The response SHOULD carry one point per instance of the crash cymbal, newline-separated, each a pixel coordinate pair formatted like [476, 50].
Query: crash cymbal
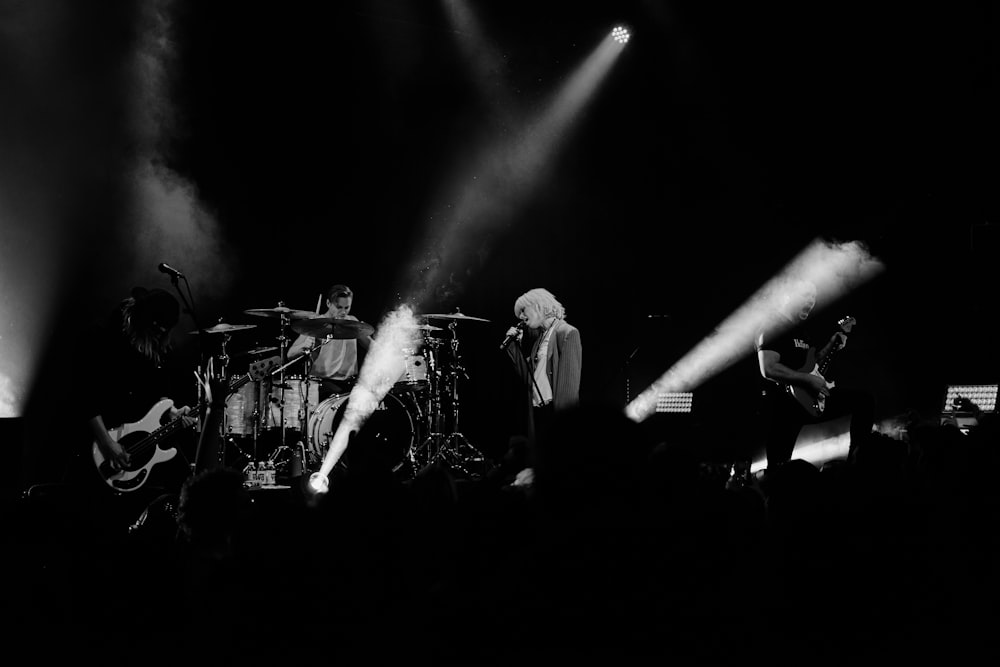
[222, 327]
[320, 327]
[457, 315]
[279, 311]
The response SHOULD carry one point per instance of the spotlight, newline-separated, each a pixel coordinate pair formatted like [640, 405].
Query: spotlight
[319, 483]
[621, 34]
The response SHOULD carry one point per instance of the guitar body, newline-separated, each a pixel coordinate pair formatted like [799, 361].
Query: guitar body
[140, 440]
[813, 404]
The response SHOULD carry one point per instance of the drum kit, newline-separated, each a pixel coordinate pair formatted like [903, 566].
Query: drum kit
[277, 419]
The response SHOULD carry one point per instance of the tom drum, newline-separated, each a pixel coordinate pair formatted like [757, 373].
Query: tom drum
[287, 405]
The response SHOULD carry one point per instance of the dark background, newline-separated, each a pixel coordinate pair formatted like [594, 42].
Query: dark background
[324, 138]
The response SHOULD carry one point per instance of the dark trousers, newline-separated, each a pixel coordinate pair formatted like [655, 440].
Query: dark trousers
[783, 418]
[523, 450]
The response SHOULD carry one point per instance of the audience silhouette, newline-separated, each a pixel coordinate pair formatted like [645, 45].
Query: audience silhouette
[622, 545]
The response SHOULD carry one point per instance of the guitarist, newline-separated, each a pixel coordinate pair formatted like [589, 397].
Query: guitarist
[128, 361]
[788, 353]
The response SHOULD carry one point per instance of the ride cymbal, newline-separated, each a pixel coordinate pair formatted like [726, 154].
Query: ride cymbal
[321, 327]
[281, 311]
[457, 315]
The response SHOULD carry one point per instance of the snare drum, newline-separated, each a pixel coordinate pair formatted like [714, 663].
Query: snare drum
[299, 395]
[387, 434]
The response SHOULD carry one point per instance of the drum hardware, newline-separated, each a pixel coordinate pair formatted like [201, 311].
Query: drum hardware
[243, 409]
[445, 442]
[304, 393]
[284, 315]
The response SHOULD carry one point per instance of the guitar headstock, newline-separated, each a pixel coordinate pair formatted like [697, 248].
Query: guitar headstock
[846, 324]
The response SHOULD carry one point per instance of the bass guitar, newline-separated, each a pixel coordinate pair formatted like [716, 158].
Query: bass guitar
[144, 439]
[815, 404]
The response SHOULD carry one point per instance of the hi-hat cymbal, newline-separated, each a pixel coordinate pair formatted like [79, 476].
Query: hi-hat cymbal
[222, 327]
[279, 311]
[320, 327]
[424, 327]
[457, 315]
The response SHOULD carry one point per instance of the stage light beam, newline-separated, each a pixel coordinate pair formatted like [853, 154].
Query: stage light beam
[504, 175]
[384, 364]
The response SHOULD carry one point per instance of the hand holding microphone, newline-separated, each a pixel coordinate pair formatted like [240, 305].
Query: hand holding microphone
[514, 333]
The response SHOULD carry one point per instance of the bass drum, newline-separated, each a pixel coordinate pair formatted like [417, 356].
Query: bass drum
[384, 440]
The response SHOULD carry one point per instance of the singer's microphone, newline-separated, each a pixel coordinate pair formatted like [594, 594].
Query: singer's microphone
[511, 336]
[169, 270]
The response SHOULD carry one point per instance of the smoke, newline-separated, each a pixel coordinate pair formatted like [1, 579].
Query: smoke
[9, 403]
[384, 365]
[167, 222]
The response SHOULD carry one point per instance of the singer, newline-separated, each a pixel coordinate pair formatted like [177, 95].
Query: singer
[548, 359]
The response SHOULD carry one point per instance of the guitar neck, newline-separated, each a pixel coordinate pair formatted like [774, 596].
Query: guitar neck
[175, 425]
[825, 363]
[845, 326]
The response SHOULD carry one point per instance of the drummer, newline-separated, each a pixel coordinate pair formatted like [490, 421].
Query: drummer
[337, 361]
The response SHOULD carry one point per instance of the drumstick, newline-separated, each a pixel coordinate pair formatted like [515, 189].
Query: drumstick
[319, 302]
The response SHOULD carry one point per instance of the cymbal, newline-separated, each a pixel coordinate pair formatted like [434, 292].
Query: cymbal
[222, 327]
[320, 327]
[257, 350]
[457, 315]
[424, 327]
[279, 311]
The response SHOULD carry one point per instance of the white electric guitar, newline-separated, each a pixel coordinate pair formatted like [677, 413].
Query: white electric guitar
[144, 440]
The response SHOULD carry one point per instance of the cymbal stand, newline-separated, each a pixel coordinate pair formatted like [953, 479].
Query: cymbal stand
[282, 338]
[223, 363]
[452, 448]
[420, 455]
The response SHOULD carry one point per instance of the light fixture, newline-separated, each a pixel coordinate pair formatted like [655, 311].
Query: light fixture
[621, 34]
[982, 396]
[674, 401]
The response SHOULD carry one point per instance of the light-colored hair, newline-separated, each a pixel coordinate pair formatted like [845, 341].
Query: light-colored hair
[543, 300]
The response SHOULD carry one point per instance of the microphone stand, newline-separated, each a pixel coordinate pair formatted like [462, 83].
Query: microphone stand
[202, 336]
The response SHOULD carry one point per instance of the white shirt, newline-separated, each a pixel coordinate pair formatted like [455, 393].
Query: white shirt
[542, 391]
